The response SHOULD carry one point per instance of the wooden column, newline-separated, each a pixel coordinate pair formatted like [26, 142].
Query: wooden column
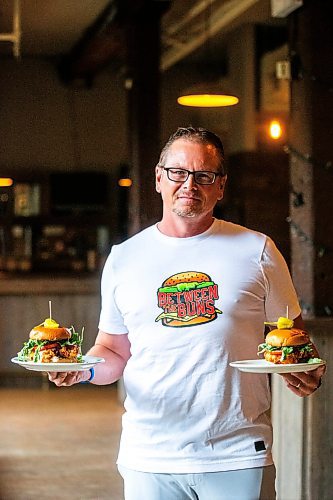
[311, 132]
[303, 427]
[143, 77]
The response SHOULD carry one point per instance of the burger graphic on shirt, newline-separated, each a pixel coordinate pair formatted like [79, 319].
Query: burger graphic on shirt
[187, 299]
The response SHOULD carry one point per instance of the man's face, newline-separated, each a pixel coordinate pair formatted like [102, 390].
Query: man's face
[189, 199]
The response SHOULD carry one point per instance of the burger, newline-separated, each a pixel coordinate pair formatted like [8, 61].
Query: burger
[51, 343]
[187, 299]
[288, 345]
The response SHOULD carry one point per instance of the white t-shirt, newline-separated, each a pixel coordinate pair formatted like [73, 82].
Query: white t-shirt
[187, 410]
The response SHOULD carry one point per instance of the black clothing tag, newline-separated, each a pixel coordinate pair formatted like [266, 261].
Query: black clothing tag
[259, 446]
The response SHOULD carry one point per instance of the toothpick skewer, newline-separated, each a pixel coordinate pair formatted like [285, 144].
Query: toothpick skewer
[50, 309]
[287, 313]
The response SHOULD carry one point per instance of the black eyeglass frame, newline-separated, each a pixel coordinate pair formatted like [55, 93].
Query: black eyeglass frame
[195, 173]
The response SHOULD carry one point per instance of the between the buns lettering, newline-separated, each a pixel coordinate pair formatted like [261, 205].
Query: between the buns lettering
[187, 299]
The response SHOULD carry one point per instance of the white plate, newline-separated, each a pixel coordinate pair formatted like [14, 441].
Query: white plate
[87, 363]
[263, 366]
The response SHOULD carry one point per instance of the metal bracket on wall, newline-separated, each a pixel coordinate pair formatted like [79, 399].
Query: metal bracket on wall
[15, 36]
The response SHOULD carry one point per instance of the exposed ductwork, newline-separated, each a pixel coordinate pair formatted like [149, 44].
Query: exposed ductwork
[202, 21]
[184, 28]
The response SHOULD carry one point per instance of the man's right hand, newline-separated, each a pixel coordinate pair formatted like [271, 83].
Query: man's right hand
[68, 378]
[115, 349]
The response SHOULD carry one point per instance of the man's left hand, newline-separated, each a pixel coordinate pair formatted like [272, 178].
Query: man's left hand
[304, 383]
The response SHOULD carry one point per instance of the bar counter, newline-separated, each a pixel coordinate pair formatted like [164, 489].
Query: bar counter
[35, 284]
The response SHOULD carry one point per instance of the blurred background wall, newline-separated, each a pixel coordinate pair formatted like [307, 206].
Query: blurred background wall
[94, 91]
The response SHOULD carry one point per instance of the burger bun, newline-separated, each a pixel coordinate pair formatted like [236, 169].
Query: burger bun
[287, 337]
[186, 277]
[43, 333]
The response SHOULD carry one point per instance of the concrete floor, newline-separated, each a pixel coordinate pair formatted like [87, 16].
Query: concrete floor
[59, 443]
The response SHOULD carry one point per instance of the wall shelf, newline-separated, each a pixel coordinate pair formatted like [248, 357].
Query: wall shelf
[44, 227]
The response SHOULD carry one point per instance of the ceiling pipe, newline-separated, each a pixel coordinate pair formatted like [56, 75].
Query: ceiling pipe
[15, 36]
[220, 19]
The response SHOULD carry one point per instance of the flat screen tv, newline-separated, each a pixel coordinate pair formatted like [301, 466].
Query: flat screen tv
[79, 192]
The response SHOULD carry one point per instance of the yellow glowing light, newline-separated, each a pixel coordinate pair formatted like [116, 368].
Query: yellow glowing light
[207, 100]
[6, 181]
[125, 182]
[275, 129]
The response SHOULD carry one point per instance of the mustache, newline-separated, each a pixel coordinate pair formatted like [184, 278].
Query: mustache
[189, 194]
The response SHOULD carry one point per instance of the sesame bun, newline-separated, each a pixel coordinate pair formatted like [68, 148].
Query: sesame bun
[42, 333]
[292, 337]
[187, 277]
[287, 337]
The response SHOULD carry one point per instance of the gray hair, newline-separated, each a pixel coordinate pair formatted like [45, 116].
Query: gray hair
[195, 134]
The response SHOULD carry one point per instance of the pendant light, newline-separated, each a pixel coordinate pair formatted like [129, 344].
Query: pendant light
[207, 94]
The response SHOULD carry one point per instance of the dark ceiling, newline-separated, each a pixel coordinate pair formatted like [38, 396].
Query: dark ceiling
[86, 39]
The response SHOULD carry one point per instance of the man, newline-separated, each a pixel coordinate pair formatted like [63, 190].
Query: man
[180, 300]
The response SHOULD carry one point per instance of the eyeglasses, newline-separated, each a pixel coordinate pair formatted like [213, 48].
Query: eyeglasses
[200, 176]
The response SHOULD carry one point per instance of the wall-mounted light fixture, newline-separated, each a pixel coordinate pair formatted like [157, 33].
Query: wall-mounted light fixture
[272, 131]
[275, 130]
[125, 182]
[124, 176]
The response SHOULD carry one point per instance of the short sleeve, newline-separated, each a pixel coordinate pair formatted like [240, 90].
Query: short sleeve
[281, 293]
[110, 320]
